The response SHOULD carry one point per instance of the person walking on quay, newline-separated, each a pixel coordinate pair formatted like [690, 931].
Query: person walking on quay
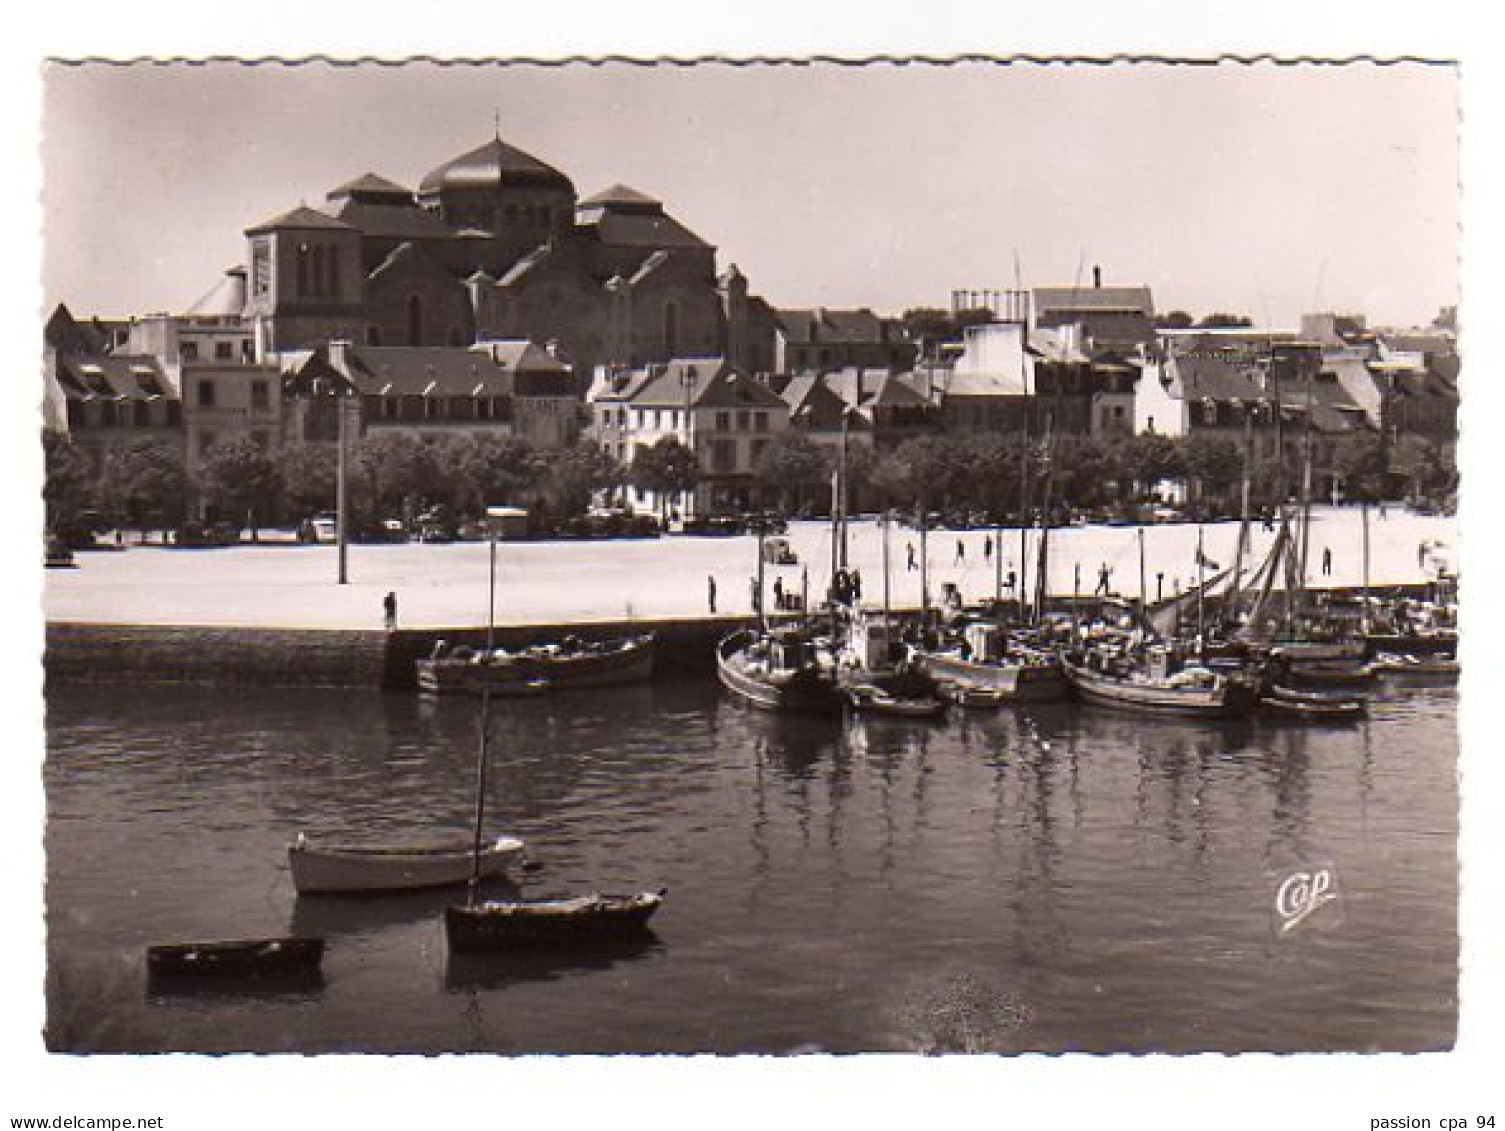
[909, 564]
[389, 610]
[710, 591]
[756, 593]
[987, 548]
[1010, 580]
[857, 585]
[1327, 561]
[961, 553]
[1104, 572]
[778, 592]
[1421, 554]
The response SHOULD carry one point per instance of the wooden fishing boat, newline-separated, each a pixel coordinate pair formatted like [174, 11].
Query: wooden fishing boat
[974, 698]
[525, 924]
[1443, 642]
[1432, 670]
[1310, 706]
[1152, 684]
[346, 868]
[779, 670]
[568, 664]
[241, 958]
[1019, 676]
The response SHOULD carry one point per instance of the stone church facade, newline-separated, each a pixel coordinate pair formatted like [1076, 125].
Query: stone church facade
[495, 245]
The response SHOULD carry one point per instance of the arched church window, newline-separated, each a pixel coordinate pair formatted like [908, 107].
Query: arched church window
[334, 271]
[302, 270]
[415, 320]
[318, 270]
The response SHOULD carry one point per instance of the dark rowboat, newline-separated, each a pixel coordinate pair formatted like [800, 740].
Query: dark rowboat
[1310, 706]
[534, 671]
[243, 958]
[870, 699]
[528, 924]
[1436, 670]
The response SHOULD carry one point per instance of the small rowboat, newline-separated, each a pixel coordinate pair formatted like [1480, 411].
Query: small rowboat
[1437, 670]
[530, 924]
[325, 869]
[870, 699]
[241, 958]
[976, 698]
[1311, 706]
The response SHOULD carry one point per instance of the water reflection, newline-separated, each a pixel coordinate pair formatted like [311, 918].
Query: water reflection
[468, 973]
[334, 916]
[1105, 870]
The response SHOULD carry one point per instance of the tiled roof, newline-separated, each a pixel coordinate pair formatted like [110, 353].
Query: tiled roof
[1137, 299]
[491, 165]
[449, 371]
[646, 228]
[1216, 379]
[113, 377]
[393, 221]
[703, 382]
[301, 218]
[842, 327]
[524, 264]
[67, 334]
[369, 185]
[535, 371]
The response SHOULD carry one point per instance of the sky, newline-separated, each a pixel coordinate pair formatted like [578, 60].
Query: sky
[1259, 189]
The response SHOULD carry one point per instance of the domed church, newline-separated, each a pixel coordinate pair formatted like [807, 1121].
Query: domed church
[494, 244]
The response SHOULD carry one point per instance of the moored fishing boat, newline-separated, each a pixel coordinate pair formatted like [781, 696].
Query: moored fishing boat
[562, 666]
[1156, 683]
[346, 868]
[782, 669]
[526, 924]
[240, 958]
[986, 659]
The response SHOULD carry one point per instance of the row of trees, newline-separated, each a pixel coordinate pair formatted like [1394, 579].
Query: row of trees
[145, 483]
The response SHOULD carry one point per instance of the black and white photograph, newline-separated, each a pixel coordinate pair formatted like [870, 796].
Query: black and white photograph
[786, 557]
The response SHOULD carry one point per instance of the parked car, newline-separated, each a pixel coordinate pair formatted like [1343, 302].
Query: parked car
[197, 535]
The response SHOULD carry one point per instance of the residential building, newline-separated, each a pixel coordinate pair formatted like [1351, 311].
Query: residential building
[1121, 318]
[821, 339]
[726, 417]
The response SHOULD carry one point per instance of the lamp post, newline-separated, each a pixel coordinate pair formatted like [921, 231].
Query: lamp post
[343, 403]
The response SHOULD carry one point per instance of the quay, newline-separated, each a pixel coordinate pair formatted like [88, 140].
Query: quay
[272, 614]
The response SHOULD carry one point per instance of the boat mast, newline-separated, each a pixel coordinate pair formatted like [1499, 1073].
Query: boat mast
[1042, 568]
[1143, 603]
[1364, 593]
[1024, 470]
[1229, 613]
[1201, 566]
[887, 606]
[762, 592]
[480, 814]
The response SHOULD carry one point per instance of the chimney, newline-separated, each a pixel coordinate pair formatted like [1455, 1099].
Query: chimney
[1097, 277]
[339, 355]
[552, 347]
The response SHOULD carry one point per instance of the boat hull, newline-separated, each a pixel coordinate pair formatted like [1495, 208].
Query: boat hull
[1306, 706]
[622, 661]
[524, 925]
[240, 958]
[808, 692]
[1042, 682]
[1418, 672]
[1228, 699]
[335, 869]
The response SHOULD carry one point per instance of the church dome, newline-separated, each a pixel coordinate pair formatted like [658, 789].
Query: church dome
[492, 166]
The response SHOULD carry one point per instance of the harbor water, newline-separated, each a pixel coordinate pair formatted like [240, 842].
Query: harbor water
[1053, 879]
